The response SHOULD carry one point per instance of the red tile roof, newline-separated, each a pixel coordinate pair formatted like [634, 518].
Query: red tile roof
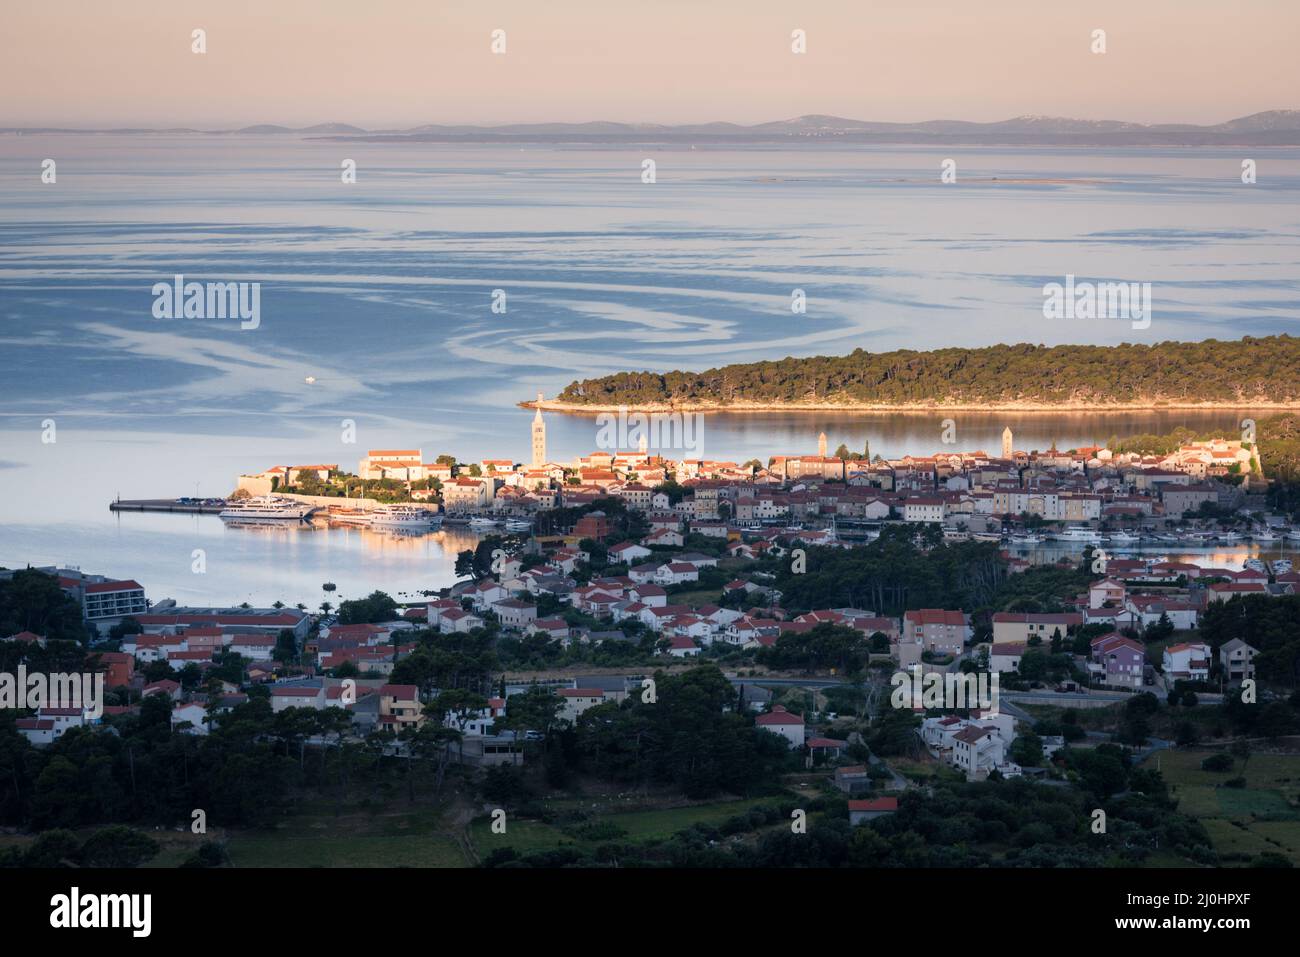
[875, 804]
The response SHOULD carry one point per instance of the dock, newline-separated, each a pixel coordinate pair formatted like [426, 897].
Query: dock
[161, 505]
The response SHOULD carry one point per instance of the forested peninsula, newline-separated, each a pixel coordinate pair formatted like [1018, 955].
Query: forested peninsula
[1253, 372]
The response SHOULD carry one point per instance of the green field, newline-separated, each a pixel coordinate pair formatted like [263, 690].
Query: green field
[393, 836]
[1262, 816]
[644, 825]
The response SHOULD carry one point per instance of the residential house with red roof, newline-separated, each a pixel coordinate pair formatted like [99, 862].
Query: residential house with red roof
[787, 725]
[1189, 660]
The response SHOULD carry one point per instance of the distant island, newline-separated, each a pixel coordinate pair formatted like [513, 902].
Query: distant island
[1253, 372]
[1269, 128]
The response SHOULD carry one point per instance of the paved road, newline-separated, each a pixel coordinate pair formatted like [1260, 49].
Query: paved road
[897, 781]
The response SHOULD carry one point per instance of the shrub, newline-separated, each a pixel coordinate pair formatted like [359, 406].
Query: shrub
[1217, 762]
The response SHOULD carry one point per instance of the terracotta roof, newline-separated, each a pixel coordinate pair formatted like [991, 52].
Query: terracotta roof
[779, 716]
[875, 804]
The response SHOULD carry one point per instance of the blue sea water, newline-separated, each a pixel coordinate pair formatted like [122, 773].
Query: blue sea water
[381, 291]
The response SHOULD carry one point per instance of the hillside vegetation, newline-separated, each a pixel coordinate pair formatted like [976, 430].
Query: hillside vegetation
[1249, 371]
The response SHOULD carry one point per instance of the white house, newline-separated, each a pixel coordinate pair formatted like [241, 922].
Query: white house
[680, 646]
[190, 718]
[977, 751]
[253, 647]
[923, 510]
[578, 700]
[1106, 591]
[514, 613]
[1189, 660]
[38, 731]
[1005, 656]
[297, 696]
[1238, 659]
[456, 621]
[625, 553]
[674, 573]
[782, 722]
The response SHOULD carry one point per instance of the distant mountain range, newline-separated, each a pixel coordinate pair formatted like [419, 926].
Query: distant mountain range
[1271, 128]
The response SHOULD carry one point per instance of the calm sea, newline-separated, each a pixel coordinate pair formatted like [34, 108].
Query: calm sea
[380, 292]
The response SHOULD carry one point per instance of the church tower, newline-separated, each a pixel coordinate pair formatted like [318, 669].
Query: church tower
[821, 445]
[1007, 451]
[539, 436]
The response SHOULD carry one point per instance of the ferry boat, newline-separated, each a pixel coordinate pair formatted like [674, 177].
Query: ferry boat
[1079, 533]
[266, 508]
[401, 516]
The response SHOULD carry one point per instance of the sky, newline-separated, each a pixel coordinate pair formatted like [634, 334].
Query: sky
[399, 63]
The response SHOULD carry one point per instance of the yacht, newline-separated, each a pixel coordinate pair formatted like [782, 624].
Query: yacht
[1229, 538]
[518, 525]
[401, 516]
[1293, 535]
[351, 516]
[1263, 535]
[1079, 533]
[266, 508]
[1198, 538]
[1025, 540]
[1124, 538]
[480, 522]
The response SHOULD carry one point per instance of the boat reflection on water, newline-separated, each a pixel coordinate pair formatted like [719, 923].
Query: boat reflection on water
[339, 528]
[270, 527]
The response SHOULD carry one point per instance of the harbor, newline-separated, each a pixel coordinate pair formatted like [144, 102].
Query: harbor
[190, 506]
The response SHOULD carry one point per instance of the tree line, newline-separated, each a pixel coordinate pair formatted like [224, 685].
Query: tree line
[1208, 371]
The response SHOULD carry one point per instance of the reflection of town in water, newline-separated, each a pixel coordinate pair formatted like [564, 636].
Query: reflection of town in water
[452, 539]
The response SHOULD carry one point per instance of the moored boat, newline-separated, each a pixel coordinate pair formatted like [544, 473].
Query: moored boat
[266, 508]
[401, 516]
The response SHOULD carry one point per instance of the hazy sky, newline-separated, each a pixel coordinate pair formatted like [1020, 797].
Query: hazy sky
[406, 62]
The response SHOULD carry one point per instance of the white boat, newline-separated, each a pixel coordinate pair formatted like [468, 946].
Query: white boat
[1293, 535]
[518, 525]
[1255, 564]
[1124, 538]
[266, 508]
[479, 522]
[1079, 533]
[1198, 538]
[351, 516]
[1281, 566]
[1229, 537]
[1263, 535]
[401, 516]
[1025, 540]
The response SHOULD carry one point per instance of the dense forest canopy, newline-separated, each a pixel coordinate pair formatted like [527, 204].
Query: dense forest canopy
[1244, 371]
